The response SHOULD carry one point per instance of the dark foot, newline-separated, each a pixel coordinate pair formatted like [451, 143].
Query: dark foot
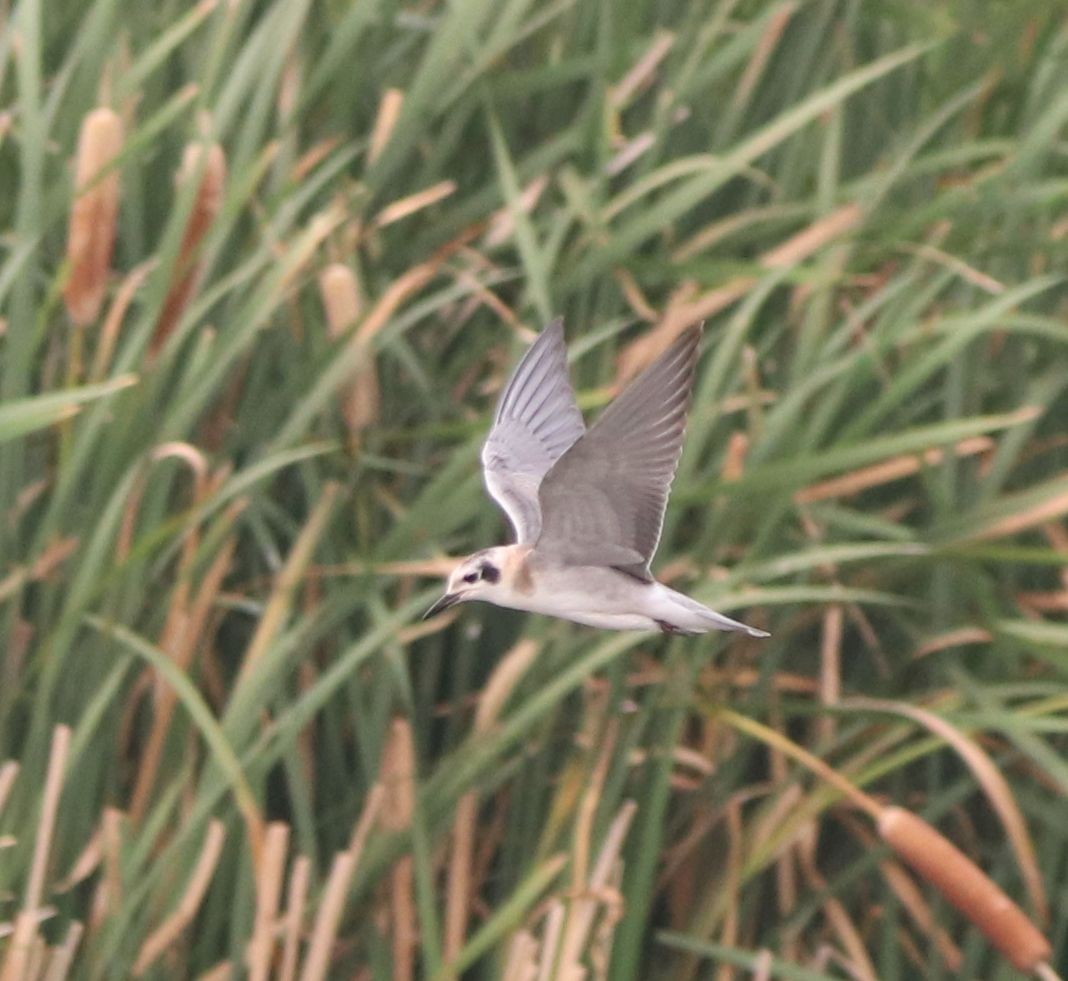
[670, 628]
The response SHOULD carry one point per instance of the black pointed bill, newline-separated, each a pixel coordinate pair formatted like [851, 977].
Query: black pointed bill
[449, 599]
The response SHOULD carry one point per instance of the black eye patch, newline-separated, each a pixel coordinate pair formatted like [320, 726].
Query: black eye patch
[471, 577]
[490, 573]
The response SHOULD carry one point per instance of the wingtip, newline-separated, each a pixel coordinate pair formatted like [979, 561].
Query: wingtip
[556, 326]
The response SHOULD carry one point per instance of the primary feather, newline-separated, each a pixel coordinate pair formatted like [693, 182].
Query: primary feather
[537, 420]
[603, 501]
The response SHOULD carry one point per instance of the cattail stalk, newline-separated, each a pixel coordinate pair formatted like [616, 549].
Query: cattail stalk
[965, 886]
[93, 216]
[506, 676]
[209, 161]
[188, 906]
[268, 893]
[24, 939]
[397, 776]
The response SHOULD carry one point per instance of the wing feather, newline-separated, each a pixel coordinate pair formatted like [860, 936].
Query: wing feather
[603, 501]
[537, 421]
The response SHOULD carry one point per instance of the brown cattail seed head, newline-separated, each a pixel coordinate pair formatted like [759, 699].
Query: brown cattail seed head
[206, 205]
[342, 302]
[936, 859]
[341, 298]
[397, 775]
[94, 214]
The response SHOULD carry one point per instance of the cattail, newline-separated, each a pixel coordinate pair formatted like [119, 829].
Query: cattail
[955, 876]
[389, 108]
[342, 302]
[206, 205]
[397, 776]
[91, 233]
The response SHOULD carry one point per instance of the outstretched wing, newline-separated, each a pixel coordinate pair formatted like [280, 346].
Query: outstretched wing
[537, 421]
[603, 501]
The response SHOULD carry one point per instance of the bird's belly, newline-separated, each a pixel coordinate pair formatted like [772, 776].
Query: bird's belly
[593, 596]
[610, 621]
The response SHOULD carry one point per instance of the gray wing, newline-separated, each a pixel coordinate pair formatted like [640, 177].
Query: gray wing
[603, 501]
[537, 421]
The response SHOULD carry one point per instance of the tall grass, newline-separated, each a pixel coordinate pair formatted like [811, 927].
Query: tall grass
[263, 270]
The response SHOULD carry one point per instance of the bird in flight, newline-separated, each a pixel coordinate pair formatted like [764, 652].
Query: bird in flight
[587, 505]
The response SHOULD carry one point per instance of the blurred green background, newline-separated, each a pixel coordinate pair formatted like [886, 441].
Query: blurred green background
[264, 267]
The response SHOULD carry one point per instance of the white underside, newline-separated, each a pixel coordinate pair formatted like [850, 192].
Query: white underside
[611, 600]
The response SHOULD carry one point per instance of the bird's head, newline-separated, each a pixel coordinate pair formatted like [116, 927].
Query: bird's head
[478, 577]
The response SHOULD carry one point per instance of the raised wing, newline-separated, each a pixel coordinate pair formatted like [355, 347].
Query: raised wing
[537, 421]
[603, 501]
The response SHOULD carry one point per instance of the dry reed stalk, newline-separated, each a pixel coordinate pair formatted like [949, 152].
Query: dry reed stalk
[108, 891]
[180, 644]
[1049, 510]
[637, 146]
[762, 53]
[209, 163]
[953, 638]
[296, 900]
[8, 773]
[502, 222]
[634, 296]
[734, 458]
[521, 961]
[762, 965]
[994, 785]
[837, 916]
[857, 797]
[372, 812]
[86, 863]
[62, 959]
[785, 867]
[332, 905]
[731, 881]
[310, 159]
[404, 207]
[910, 897]
[404, 286]
[415, 567]
[172, 928]
[268, 893]
[937, 860]
[678, 316]
[554, 925]
[1057, 536]
[968, 273]
[320, 947]
[716, 232]
[24, 937]
[643, 71]
[177, 633]
[397, 776]
[93, 216]
[389, 109]
[595, 891]
[220, 972]
[887, 471]
[830, 668]
[502, 682]
[342, 301]
[109, 333]
[286, 582]
[810, 240]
